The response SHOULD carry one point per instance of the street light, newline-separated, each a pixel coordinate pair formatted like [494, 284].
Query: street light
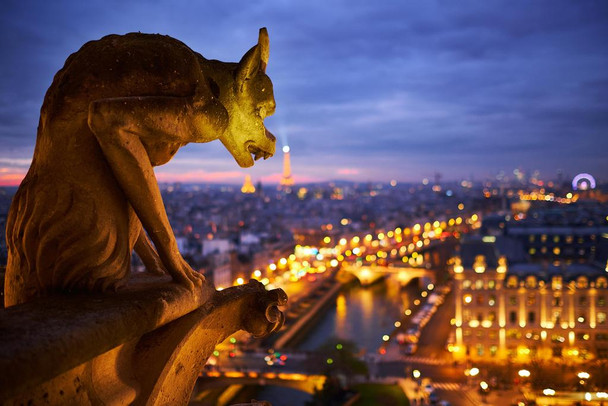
[484, 388]
[416, 373]
[524, 373]
[548, 392]
[583, 375]
[471, 373]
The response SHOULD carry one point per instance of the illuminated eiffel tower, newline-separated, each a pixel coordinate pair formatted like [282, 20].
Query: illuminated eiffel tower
[287, 179]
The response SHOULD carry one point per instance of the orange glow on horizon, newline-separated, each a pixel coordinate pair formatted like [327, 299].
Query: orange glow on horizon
[275, 178]
[11, 176]
[348, 171]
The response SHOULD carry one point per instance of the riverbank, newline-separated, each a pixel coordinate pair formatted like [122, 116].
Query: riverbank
[322, 298]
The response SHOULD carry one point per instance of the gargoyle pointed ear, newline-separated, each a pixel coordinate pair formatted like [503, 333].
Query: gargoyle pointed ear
[264, 44]
[254, 60]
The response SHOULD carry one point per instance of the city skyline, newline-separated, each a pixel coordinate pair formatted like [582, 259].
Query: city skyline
[365, 92]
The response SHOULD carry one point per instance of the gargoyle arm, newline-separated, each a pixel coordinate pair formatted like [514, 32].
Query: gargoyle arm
[136, 133]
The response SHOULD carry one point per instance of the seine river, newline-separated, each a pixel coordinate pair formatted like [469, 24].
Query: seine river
[361, 315]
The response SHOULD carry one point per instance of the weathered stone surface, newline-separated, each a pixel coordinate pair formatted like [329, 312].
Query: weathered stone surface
[120, 106]
[144, 345]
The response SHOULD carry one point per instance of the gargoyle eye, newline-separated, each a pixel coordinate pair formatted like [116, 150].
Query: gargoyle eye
[214, 87]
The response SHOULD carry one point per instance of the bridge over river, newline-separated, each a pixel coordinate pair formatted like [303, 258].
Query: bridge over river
[432, 256]
[304, 371]
[369, 274]
[302, 382]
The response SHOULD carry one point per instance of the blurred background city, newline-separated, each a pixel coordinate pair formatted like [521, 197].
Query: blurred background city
[464, 292]
[437, 209]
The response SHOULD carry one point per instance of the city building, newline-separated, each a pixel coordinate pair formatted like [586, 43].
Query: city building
[561, 232]
[527, 311]
[565, 243]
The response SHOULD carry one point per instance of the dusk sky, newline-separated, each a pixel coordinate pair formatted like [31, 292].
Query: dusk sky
[365, 90]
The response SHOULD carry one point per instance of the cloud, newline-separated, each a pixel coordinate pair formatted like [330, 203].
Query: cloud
[198, 176]
[16, 162]
[391, 88]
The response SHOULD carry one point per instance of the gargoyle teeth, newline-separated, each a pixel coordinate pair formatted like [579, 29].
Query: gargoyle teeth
[257, 152]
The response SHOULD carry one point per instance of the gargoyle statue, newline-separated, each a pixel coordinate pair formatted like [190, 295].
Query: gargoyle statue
[120, 106]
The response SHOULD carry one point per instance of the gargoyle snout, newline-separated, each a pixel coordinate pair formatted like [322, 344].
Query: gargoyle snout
[270, 136]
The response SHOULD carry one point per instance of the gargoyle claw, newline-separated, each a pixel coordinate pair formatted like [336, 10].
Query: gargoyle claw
[267, 303]
[273, 314]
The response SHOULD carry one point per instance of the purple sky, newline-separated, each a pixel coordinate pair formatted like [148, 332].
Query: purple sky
[365, 90]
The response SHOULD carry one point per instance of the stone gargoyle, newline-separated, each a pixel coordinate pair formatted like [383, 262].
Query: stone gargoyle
[120, 106]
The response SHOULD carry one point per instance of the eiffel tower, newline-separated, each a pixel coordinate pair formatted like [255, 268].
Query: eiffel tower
[287, 179]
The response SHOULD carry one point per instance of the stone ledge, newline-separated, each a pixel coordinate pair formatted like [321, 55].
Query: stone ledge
[99, 344]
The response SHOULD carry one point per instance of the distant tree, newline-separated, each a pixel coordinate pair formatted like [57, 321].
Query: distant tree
[341, 364]
[331, 394]
[599, 374]
[341, 358]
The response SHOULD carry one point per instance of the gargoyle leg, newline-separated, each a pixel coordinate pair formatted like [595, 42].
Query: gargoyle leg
[148, 255]
[136, 132]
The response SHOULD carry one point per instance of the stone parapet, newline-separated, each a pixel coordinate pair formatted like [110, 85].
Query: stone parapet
[143, 345]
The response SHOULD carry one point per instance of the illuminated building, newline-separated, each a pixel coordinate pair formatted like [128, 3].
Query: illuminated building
[287, 179]
[248, 186]
[562, 233]
[527, 311]
[560, 243]
[551, 232]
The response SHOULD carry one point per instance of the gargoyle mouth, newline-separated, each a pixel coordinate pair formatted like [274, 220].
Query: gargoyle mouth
[257, 152]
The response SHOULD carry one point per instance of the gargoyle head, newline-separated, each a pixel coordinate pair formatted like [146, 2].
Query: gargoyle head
[248, 102]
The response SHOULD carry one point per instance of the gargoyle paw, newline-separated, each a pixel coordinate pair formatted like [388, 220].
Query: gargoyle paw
[268, 303]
